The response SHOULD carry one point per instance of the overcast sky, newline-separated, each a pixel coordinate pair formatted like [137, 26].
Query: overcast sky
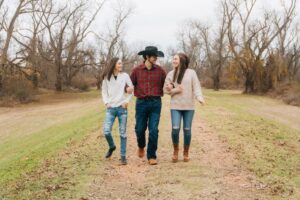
[157, 21]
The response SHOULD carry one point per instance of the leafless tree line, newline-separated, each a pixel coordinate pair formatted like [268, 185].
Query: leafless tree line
[49, 39]
[265, 49]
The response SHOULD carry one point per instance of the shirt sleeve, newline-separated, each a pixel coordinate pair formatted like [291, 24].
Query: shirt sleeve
[104, 91]
[163, 78]
[167, 81]
[129, 83]
[197, 88]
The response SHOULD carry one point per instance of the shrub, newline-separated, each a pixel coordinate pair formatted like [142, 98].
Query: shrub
[19, 88]
[80, 83]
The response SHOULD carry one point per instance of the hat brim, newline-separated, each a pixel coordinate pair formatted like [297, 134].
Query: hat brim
[156, 53]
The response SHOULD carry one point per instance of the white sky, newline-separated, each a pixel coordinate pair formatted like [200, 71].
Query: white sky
[157, 21]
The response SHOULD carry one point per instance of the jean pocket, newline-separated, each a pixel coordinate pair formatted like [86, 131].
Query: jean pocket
[123, 110]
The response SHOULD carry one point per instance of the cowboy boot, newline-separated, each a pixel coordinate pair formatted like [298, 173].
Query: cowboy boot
[141, 152]
[186, 153]
[175, 153]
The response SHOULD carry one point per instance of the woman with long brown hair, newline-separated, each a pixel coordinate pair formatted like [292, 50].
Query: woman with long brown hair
[117, 90]
[183, 85]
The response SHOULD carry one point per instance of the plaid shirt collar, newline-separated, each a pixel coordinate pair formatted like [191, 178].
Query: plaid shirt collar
[143, 66]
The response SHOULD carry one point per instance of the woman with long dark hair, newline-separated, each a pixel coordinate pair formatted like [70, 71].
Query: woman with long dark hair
[117, 91]
[183, 85]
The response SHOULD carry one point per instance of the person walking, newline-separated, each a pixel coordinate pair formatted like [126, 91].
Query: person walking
[183, 85]
[117, 91]
[148, 80]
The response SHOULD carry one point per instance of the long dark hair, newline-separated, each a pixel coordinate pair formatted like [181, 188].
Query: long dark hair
[184, 64]
[110, 68]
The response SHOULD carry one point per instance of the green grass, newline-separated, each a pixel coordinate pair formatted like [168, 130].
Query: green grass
[269, 149]
[20, 156]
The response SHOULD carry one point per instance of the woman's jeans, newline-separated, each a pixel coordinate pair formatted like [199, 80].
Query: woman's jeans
[187, 116]
[111, 114]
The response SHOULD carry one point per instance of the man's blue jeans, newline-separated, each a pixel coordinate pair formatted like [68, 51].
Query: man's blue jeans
[187, 116]
[111, 114]
[148, 114]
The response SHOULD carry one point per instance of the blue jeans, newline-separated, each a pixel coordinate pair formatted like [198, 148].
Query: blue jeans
[111, 114]
[187, 116]
[148, 114]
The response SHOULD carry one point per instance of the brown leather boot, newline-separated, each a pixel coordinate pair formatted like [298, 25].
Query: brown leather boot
[141, 152]
[152, 162]
[175, 153]
[186, 153]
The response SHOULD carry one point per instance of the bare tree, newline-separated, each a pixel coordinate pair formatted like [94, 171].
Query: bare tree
[256, 38]
[8, 25]
[112, 43]
[65, 52]
[215, 48]
[191, 44]
[293, 58]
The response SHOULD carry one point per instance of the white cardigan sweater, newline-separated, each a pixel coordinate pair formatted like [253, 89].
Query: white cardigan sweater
[113, 90]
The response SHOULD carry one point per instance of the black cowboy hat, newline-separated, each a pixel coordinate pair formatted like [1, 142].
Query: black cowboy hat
[151, 50]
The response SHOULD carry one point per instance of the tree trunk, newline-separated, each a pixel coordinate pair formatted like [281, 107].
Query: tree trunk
[216, 80]
[1, 82]
[249, 83]
[58, 83]
[68, 81]
[98, 83]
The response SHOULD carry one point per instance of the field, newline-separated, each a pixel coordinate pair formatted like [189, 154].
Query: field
[243, 147]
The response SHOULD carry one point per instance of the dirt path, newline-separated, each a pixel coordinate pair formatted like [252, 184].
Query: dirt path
[285, 114]
[213, 172]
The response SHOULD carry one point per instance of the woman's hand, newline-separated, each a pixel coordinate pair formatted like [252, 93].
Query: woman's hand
[169, 86]
[129, 90]
[125, 105]
[176, 90]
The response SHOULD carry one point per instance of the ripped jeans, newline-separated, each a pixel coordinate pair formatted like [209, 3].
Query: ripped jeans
[111, 114]
[187, 116]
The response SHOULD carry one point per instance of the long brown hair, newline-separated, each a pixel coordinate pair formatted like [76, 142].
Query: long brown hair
[184, 64]
[110, 68]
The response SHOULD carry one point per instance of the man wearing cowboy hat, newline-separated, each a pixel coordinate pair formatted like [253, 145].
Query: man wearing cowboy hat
[148, 80]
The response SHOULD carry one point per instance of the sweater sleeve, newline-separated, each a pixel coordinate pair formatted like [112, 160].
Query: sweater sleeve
[133, 77]
[104, 90]
[197, 88]
[129, 83]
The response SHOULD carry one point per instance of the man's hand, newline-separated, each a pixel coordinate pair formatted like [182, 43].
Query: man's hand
[129, 90]
[107, 105]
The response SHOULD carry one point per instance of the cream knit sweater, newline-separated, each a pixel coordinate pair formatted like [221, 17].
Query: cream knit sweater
[191, 89]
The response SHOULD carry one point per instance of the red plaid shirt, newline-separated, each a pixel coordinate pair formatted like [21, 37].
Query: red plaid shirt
[148, 83]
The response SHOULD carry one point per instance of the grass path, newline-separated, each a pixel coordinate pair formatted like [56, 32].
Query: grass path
[238, 152]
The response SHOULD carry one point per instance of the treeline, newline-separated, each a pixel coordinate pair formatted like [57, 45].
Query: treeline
[53, 44]
[248, 47]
